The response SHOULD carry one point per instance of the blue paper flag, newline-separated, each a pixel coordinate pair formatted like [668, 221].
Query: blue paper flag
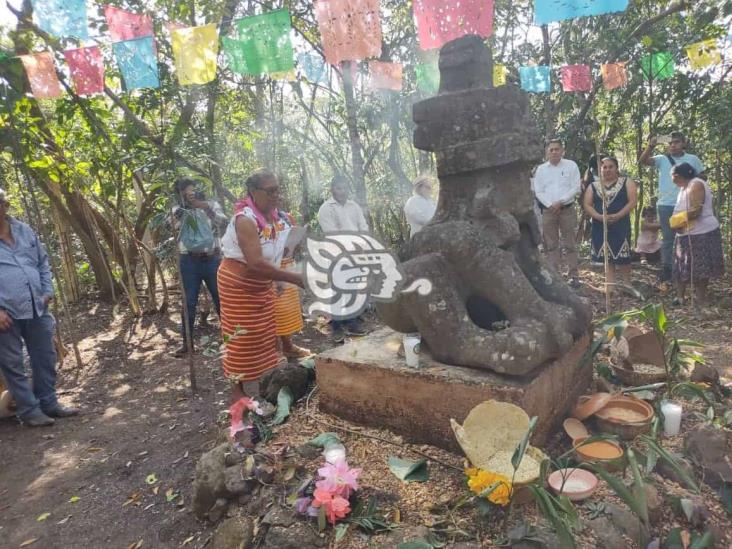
[313, 66]
[61, 18]
[536, 79]
[137, 62]
[546, 11]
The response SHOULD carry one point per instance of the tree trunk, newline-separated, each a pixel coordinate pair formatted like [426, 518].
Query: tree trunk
[359, 181]
[70, 278]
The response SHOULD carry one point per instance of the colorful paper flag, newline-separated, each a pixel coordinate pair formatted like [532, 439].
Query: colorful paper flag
[235, 56]
[546, 11]
[350, 30]
[266, 44]
[428, 77]
[61, 18]
[576, 78]
[386, 76]
[500, 72]
[614, 75]
[287, 76]
[313, 66]
[87, 70]
[42, 75]
[124, 25]
[438, 21]
[657, 66]
[137, 62]
[194, 52]
[704, 53]
[537, 78]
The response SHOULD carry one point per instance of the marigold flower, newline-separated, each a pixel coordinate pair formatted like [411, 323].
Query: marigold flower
[479, 480]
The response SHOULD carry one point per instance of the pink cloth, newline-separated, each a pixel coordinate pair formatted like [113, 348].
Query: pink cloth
[124, 25]
[249, 202]
[576, 78]
[614, 75]
[350, 30]
[648, 242]
[87, 70]
[439, 21]
[386, 76]
[42, 75]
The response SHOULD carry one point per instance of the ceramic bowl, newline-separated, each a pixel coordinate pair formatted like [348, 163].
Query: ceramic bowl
[576, 484]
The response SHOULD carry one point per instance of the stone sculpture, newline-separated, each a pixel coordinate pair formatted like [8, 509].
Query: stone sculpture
[495, 304]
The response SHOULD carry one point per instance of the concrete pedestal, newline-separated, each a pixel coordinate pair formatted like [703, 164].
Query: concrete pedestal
[367, 383]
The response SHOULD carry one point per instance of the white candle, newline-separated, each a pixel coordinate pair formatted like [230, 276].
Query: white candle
[672, 418]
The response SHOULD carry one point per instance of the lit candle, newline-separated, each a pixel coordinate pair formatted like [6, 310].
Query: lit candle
[671, 418]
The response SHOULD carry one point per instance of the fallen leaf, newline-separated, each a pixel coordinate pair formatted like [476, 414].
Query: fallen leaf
[151, 479]
[156, 490]
[74, 499]
[409, 471]
[94, 449]
[148, 506]
[289, 474]
[27, 542]
[135, 498]
[135, 545]
[187, 540]
[64, 520]
[43, 517]
[284, 401]
[170, 495]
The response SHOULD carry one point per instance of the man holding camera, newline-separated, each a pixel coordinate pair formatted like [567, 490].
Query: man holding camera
[667, 191]
[199, 223]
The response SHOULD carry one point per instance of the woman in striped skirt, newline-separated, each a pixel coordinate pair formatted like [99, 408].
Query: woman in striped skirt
[253, 247]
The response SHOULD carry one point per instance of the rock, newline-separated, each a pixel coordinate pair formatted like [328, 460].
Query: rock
[307, 451]
[704, 373]
[608, 537]
[234, 533]
[720, 535]
[278, 516]
[234, 458]
[666, 471]
[404, 535]
[466, 545]
[711, 449]
[646, 290]
[235, 483]
[209, 483]
[217, 512]
[626, 522]
[725, 302]
[298, 536]
[295, 377]
[655, 503]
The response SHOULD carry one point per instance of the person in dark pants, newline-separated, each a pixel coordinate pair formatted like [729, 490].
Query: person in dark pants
[25, 292]
[199, 223]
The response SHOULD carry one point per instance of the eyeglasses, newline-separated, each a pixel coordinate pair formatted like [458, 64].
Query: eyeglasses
[272, 191]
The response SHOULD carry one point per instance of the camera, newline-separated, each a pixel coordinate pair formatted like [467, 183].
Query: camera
[198, 195]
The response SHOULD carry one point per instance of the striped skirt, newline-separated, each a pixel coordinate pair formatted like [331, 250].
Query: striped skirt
[288, 312]
[247, 322]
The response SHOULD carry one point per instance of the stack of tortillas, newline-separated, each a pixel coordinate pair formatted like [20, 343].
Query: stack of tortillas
[489, 436]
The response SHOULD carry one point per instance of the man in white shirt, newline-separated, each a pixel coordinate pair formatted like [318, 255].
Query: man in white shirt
[340, 214]
[420, 208]
[556, 185]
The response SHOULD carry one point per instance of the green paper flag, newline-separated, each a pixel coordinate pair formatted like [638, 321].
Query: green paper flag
[262, 44]
[657, 66]
[428, 77]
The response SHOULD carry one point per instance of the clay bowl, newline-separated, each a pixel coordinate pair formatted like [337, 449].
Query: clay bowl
[589, 404]
[635, 378]
[606, 453]
[626, 417]
[576, 484]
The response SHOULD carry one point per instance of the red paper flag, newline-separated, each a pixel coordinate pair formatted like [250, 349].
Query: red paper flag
[386, 76]
[124, 25]
[439, 21]
[614, 75]
[42, 75]
[87, 70]
[350, 30]
[576, 78]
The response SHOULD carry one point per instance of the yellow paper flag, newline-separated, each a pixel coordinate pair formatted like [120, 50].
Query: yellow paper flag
[704, 53]
[195, 50]
[499, 75]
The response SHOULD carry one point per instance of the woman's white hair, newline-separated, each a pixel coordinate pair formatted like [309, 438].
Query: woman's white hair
[422, 179]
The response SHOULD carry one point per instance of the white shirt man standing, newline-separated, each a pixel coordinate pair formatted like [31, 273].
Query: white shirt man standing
[420, 208]
[557, 185]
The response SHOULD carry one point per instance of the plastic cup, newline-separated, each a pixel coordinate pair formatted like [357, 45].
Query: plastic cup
[411, 349]
[671, 418]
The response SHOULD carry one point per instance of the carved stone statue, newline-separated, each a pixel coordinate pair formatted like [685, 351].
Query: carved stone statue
[495, 304]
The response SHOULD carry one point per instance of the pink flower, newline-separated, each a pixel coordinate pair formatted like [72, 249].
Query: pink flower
[237, 414]
[334, 505]
[338, 478]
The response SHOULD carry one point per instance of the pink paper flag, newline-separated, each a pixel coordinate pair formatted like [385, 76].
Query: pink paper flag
[614, 75]
[350, 30]
[386, 76]
[42, 75]
[439, 21]
[87, 70]
[576, 78]
[124, 25]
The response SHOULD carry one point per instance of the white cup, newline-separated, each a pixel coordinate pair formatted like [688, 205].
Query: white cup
[671, 418]
[411, 349]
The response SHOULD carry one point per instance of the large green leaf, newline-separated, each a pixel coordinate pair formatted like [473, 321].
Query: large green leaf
[672, 462]
[409, 471]
[518, 453]
[284, 401]
[325, 440]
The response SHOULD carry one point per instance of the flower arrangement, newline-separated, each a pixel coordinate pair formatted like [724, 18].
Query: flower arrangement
[480, 480]
[238, 410]
[332, 492]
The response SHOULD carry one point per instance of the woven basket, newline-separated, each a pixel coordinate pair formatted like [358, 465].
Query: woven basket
[637, 379]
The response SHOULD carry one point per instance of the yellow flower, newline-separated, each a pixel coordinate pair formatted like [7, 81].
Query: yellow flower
[611, 333]
[479, 480]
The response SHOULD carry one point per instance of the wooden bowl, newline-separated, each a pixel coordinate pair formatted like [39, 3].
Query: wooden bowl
[576, 484]
[626, 410]
[636, 379]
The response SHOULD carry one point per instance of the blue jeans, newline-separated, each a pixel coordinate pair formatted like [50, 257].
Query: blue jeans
[37, 333]
[667, 246]
[195, 270]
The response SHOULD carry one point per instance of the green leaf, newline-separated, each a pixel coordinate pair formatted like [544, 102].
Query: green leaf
[325, 440]
[284, 401]
[416, 544]
[672, 462]
[341, 530]
[638, 488]
[409, 471]
[704, 542]
[43, 517]
[548, 507]
[74, 499]
[618, 487]
[518, 453]
[321, 519]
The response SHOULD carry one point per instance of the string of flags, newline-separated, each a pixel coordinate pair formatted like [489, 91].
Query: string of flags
[350, 31]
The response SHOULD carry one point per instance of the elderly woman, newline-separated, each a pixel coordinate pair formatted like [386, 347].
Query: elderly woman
[621, 195]
[253, 246]
[698, 255]
[420, 208]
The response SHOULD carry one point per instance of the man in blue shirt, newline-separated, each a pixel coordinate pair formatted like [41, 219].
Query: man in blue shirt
[25, 293]
[667, 191]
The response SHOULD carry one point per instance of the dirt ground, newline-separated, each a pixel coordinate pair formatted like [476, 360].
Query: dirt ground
[121, 472]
